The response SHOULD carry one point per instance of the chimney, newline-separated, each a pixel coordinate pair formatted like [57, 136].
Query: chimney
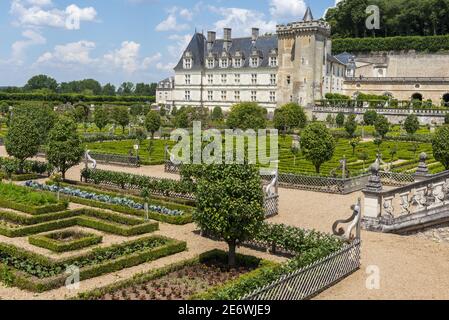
[254, 34]
[227, 37]
[211, 37]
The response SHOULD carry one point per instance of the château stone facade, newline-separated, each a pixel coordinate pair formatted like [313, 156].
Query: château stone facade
[296, 65]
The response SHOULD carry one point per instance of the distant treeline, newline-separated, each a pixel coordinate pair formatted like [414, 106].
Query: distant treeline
[43, 84]
[397, 18]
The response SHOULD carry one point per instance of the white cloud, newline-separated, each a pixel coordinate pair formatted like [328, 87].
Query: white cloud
[242, 20]
[186, 14]
[287, 9]
[171, 24]
[167, 67]
[149, 61]
[180, 44]
[19, 47]
[33, 14]
[74, 53]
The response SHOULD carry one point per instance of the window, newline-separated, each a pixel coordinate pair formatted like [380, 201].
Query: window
[253, 96]
[273, 79]
[210, 79]
[187, 78]
[224, 78]
[238, 63]
[288, 80]
[237, 95]
[210, 95]
[224, 63]
[237, 78]
[187, 95]
[187, 63]
[272, 96]
[273, 61]
[223, 95]
[210, 63]
[254, 62]
[254, 78]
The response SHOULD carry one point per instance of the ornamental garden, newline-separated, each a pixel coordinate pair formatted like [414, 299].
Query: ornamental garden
[57, 232]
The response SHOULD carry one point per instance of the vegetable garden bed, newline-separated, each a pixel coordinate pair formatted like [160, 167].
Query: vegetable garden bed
[63, 241]
[37, 273]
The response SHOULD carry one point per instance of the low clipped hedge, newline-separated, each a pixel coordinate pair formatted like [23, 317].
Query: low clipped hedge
[418, 43]
[99, 220]
[30, 220]
[45, 241]
[20, 177]
[31, 209]
[14, 277]
[176, 220]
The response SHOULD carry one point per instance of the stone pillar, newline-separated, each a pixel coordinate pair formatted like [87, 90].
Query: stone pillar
[372, 192]
[422, 173]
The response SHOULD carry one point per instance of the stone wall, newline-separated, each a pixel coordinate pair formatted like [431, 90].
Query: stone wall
[395, 116]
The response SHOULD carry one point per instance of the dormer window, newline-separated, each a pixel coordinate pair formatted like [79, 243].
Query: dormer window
[273, 61]
[238, 62]
[254, 62]
[187, 63]
[211, 63]
[224, 63]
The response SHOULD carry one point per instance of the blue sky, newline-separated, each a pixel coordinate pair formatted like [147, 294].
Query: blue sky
[122, 40]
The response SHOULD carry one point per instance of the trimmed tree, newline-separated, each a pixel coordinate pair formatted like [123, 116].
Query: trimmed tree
[290, 116]
[411, 124]
[370, 117]
[351, 125]
[22, 140]
[64, 149]
[317, 144]
[340, 119]
[217, 114]
[440, 146]
[229, 203]
[152, 122]
[247, 115]
[382, 126]
[446, 118]
[101, 118]
[121, 116]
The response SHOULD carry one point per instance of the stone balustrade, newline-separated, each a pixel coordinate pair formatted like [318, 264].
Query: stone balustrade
[415, 206]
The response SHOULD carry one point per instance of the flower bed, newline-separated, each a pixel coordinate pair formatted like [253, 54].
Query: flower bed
[63, 241]
[37, 273]
[25, 200]
[117, 203]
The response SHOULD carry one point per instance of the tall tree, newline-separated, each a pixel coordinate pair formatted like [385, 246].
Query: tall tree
[101, 117]
[440, 146]
[317, 144]
[64, 147]
[152, 122]
[229, 203]
[22, 140]
[126, 89]
[41, 82]
[411, 124]
[120, 115]
[108, 90]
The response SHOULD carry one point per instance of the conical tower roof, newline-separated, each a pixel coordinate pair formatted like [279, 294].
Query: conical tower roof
[308, 16]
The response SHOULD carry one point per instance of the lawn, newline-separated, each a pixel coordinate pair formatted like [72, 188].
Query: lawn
[406, 159]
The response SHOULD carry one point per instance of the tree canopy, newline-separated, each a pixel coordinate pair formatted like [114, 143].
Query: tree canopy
[317, 144]
[229, 203]
[398, 18]
[247, 115]
[440, 146]
[290, 116]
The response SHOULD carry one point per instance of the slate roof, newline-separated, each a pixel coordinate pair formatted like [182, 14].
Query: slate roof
[198, 47]
[345, 57]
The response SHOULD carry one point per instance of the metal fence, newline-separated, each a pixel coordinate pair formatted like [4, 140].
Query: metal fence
[170, 167]
[132, 161]
[309, 281]
[271, 206]
[396, 179]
